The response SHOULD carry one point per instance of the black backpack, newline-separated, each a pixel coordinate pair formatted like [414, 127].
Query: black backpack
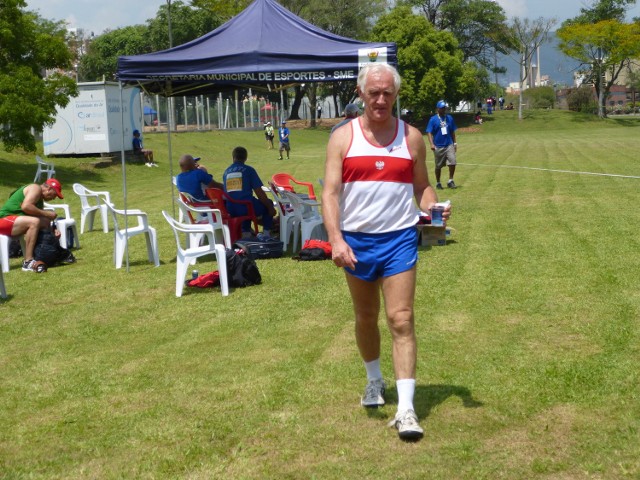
[242, 269]
[48, 249]
[15, 250]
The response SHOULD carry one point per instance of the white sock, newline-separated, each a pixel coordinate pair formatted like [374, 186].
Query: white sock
[406, 388]
[373, 370]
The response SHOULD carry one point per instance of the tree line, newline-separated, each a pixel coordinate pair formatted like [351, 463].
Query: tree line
[446, 49]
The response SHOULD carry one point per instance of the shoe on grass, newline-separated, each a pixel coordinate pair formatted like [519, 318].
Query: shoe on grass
[439, 186]
[69, 259]
[451, 184]
[27, 265]
[407, 425]
[373, 394]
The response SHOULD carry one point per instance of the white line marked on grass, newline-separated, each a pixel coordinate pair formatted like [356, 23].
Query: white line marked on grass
[551, 170]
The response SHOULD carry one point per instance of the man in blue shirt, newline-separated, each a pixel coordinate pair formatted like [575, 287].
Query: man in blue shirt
[194, 178]
[139, 149]
[441, 130]
[283, 133]
[240, 183]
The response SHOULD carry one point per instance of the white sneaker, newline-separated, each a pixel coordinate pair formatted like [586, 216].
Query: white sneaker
[373, 394]
[407, 425]
[148, 164]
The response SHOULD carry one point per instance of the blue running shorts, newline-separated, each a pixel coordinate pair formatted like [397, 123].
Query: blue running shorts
[382, 254]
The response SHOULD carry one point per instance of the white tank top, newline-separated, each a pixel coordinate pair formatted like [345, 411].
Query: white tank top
[377, 184]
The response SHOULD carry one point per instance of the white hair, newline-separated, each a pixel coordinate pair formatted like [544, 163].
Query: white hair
[378, 68]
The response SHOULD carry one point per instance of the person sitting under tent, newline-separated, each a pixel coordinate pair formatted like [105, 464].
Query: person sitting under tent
[240, 183]
[194, 178]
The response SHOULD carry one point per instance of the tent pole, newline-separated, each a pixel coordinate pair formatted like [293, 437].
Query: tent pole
[173, 200]
[124, 179]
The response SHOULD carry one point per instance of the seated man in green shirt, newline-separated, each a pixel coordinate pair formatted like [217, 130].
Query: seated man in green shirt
[23, 214]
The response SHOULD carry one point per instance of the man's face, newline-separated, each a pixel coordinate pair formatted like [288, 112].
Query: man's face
[48, 193]
[379, 95]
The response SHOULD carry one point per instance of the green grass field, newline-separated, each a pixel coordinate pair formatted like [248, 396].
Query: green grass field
[527, 324]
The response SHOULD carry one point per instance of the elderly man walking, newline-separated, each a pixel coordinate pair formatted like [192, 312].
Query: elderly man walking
[373, 172]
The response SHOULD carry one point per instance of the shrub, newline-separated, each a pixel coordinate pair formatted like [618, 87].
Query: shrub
[581, 100]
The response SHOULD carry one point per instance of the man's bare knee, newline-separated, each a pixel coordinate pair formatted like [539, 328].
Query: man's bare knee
[401, 323]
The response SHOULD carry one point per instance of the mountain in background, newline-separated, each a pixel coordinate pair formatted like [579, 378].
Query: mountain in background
[553, 62]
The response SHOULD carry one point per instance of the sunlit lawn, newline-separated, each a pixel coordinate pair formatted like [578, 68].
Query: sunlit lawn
[527, 325]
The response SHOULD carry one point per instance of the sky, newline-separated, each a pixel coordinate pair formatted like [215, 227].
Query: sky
[96, 16]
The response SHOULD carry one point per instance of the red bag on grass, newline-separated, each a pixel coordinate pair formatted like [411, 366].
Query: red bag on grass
[206, 280]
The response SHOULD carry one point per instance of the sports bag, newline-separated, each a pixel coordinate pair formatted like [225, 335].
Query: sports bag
[48, 249]
[260, 250]
[242, 269]
[315, 250]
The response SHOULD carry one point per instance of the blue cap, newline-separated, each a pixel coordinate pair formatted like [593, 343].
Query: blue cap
[441, 104]
[136, 132]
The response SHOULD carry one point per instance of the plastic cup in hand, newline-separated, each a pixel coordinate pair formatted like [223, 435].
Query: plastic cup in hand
[437, 210]
[436, 215]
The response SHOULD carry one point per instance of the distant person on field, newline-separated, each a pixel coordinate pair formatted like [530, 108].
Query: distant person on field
[478, 118]
[139, 149]
[23, 214]
[194, 178]
[283, 134]
[441, 131]
[241, 182]
[351, 111]
[268, 135]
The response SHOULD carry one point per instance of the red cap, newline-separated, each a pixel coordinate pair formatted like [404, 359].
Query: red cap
[55, 184]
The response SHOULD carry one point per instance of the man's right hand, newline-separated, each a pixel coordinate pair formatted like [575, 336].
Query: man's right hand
[342, 255]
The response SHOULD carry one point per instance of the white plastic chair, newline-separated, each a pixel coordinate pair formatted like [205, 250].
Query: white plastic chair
[288, 221]
[306, 217]
[186, 256]
[90, 203]
[43, 168]
[4, 251]
[64, 223]
[123, 235]
[204, 216]
[3, 290]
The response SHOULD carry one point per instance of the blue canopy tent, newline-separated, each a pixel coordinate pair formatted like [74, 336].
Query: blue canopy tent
[263, 46]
